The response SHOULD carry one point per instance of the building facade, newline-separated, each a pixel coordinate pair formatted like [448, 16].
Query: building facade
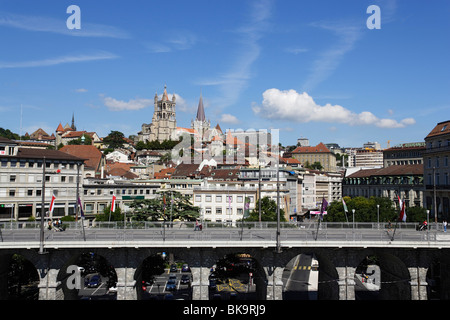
[26, 172]
[406, 153]
[405, 181]
[436, 170]
[319, 153]
[164, 121]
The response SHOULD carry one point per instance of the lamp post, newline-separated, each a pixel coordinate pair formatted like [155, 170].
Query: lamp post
[353, 211]
[378, 216]
[41, 242]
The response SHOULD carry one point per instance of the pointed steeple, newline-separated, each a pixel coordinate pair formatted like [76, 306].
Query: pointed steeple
[73, 122]
[200, 110]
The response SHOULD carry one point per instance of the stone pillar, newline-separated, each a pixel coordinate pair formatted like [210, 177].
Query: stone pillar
[126, 285]
[274, 283]
[49, 287]
[200, 283]
[418, 283]
[346, 283]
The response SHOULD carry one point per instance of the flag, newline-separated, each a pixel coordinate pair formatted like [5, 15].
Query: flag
[113, 204]
[402, 216]
[81, 207]
[345, 205]
[52, 204]
[323, 208]
[247, 207]
[164, 201]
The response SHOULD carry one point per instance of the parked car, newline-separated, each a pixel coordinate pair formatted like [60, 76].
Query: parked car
[94, 281]
[173, 268]
[185, 268]
[185, 279]
[171, 285]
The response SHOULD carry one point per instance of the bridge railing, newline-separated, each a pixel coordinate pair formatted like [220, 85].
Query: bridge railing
[14, 225]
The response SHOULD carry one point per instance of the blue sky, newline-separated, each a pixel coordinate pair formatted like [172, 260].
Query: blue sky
[308, 68]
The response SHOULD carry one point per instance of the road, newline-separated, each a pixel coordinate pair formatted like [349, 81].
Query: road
[157, 289]
[296, 277]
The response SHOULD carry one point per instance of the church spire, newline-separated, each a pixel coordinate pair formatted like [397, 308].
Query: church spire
[200, 110]
[73, 122]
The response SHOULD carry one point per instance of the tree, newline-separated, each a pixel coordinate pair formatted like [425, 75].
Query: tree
[114, 139]
[268, 211]
[366, 210]
[162, 208]
[79, 141]
[107, 215]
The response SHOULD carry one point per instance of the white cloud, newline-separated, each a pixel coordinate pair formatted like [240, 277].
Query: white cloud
[46, 24]
[229, 118]
[233, 81]
[58, 60]
[81, 90]
[329, 59]
[300, 107]
[177, 40]
[133, 104]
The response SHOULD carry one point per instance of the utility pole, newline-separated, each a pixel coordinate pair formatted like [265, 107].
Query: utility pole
[41, 242]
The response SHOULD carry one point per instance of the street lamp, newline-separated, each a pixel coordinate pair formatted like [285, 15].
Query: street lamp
[378, 216]
[353, 211]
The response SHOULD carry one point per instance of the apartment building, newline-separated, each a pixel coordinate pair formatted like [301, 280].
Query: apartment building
[436, 170]
[26, 172]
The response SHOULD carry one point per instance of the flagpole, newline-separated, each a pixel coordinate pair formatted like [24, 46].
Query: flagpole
[318, 223]
[396, 222]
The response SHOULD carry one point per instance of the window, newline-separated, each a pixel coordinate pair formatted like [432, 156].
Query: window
[30, 192]
[12, 178]
[239, 199]
[208, 198]
[218, 210]
[198, 198]
[207, 210]
[12, 193]
[218, 198]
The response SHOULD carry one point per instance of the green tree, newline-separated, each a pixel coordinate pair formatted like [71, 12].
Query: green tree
[162, 208]
[365, 210]
[79, 141]
[110, 216]
[268, 211]
[115, 139]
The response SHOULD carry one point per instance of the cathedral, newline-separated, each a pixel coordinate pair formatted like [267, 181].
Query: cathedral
[164, 121]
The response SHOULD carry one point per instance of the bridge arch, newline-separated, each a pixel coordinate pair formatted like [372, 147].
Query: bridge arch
[324, 278]
[393, 281]
[89, 263]
[19, 277]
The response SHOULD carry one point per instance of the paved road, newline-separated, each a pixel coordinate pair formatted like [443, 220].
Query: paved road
[296, 278]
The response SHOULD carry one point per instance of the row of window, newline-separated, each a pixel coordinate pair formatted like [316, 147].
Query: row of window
[36, 178]
[437, 162]
[438, 181]
[220, 198]
[23, 163]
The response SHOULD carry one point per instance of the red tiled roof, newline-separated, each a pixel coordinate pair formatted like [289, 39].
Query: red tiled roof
[319, 148]
[92, 155]
[440, 129]
[396, 170]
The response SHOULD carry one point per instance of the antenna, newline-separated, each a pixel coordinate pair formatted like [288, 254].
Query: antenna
[20, 130]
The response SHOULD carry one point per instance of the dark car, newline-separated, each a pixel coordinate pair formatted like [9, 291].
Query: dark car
[185, 268]
[171, 285]
[94, 281]
[212, 285]
[185, 279]
[173, 268]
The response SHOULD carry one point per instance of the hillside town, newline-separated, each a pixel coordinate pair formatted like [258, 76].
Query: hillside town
[223, 173]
